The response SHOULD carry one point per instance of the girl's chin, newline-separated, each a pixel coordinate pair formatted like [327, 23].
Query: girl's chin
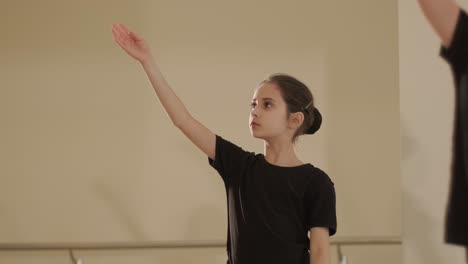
[256, 135]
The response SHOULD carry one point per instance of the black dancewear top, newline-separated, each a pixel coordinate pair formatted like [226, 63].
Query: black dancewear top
[457, 210]
[270, 207]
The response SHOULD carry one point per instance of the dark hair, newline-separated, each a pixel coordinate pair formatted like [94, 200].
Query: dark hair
[298, 98]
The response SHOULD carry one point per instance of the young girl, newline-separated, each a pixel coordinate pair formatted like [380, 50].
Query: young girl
[273, 199]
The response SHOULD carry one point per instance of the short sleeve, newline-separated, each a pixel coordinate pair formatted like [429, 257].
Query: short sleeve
[230, 159]
[320, 203]
[457, 53]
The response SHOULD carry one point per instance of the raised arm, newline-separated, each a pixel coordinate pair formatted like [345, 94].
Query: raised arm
[442, 15]
[137, 48]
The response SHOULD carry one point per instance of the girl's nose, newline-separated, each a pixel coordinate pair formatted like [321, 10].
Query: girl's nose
[254, 112]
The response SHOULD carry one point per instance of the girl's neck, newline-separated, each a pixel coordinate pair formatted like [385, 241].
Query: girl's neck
[281, 153]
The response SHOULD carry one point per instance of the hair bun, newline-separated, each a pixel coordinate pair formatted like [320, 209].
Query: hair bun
[317, 122]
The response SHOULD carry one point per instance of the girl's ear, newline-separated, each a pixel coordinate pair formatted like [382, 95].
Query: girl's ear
[296, 120]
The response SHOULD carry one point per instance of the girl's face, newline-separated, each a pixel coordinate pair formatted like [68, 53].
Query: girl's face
[268, 115]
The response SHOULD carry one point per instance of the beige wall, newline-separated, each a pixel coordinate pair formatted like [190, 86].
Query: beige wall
[89, 155]
[362, 83]
[426, 105]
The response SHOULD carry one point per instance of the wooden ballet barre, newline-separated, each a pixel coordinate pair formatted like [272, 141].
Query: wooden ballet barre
[177, 244]
[370, 240]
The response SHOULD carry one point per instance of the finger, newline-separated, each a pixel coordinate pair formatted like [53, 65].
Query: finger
[122, 29]
[115, 33]
[124, 37]
[130, 33]
[118, 32]
[117, 37]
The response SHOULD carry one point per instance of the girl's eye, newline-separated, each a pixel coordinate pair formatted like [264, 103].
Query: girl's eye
[266, 105]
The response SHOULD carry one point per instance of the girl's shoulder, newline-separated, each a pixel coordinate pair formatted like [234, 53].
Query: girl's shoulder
[319, 176]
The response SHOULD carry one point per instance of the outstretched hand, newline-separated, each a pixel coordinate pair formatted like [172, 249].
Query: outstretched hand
[129, 41]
